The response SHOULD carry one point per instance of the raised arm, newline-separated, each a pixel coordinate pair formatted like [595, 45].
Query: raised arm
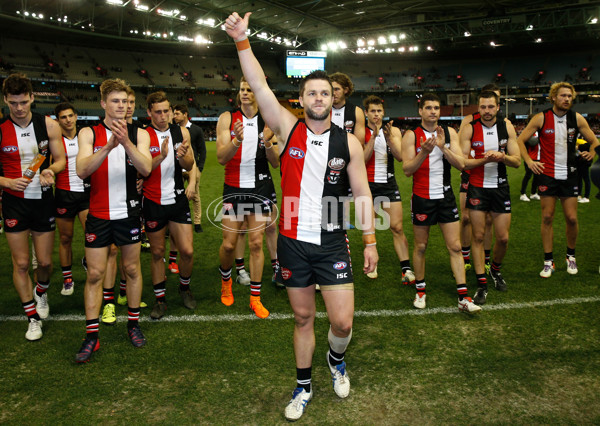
[280, 120]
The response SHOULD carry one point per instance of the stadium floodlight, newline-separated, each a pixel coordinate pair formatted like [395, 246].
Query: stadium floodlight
[402, 36]
[115, 2]
[382, 40]
[429, 48]
[360, 42]
[332, 45]
[402, 49]
[393, 39]
[142, 7]
[467, 34]
[209, 22]
[323, 46]
[593, 21]
[529, 28]
[263, 35]
[342, 44]
[371, 42]
[492, 43]
[538, 40]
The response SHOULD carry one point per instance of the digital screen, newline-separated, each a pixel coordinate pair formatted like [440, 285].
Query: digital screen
[300, 66]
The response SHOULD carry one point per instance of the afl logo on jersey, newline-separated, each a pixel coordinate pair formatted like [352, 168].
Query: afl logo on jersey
[549, 131]
[10, 149]
[154, 149]
[336, 163]
[97, 148]
[296, 153]
[339, 266]
[477, 144]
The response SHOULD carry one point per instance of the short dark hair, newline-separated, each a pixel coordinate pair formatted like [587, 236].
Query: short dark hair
[429, 97]
[62, 107]
[492, 87]
[487, 95]
[17, 84]
[315, 75]
[112, 85]
[181, 108]
[155, 98]
[372, 100]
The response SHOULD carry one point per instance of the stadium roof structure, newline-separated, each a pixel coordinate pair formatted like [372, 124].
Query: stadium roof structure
[346, 26]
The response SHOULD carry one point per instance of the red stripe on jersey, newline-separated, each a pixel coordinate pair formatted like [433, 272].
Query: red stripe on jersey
[152, 185]
[232, 168]
[10, 156]
[547, 137]
[371, 163]
[478, 150]
[292, 167]
[99, 193]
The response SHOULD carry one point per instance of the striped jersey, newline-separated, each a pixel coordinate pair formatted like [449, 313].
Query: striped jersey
[165, 183]
[495, 138]
[344, 117]
[558, 144]
[249, 167]
[68, 180]
[380, 167]
[113, 192]
[314, 179]
[18, 148]
[432, 179]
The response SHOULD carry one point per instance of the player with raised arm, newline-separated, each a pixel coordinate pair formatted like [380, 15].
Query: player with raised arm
[319, 161]
[557, 129]
[112, 153]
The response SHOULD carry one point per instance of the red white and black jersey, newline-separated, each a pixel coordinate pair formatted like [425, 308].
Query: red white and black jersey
[313, 179]
[67, 179]
[18, 148]
[344, 117]
[495, 138]
[165, 183]
[558, 144]
[113, 185]
[380, 167]
[534, 151]
[432, 178]
[249, 167]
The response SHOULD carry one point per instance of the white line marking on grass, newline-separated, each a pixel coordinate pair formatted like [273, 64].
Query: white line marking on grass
[378, 313]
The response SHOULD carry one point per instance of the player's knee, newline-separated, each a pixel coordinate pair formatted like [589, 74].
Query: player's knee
[304, 318]
[255, 245]
[44, 265]
[465, 220]
[65, 239]
[547, 218]
[94, 276]
[420, 247]
[454, 247]
[342, 328]
[21, 265]
[186, 253]
[571, 219]
[228, 247]
[502, 239]
[397, 229]
[131, 270]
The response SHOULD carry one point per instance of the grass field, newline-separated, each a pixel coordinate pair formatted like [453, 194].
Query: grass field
[531, 357]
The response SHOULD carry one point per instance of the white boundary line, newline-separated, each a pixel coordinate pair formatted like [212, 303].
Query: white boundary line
[358, 314]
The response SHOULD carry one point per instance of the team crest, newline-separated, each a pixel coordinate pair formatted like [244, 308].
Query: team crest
[474, 201]
[61, 210]
[421, 217]
[286, 274]
[152, 224]
[543, 188]
[89, 237]
[11, 222]
[336, 163]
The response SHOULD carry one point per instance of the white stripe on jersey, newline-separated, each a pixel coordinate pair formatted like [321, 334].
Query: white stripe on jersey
[167, 170]
[337, 116]
[249, 148]
[436, 170]
[381, 159]
[28, 150]
[490, 143]
[311, 188]
[71, 151]
[117, 194]
[560, 147]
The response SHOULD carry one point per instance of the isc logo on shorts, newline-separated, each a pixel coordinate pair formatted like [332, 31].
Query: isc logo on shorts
[340, 265]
